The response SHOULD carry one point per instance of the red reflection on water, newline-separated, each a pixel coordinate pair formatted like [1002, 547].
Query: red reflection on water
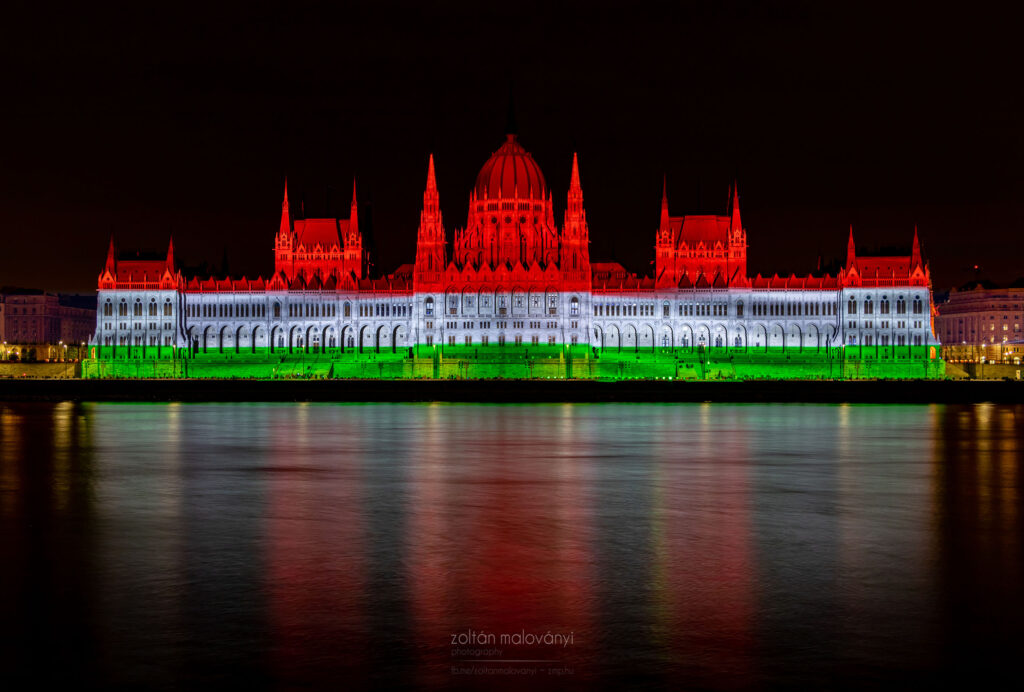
[501, 546]
[704, 572]
[316, 558]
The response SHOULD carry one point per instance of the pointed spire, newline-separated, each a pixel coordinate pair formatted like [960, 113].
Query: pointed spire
[664, 203]
[353, 218]
[736, 223]
[286, 221]
[915, 252]
[851, 249]
[431, 181]
[170, 254]
[574, 179]
[111, 255]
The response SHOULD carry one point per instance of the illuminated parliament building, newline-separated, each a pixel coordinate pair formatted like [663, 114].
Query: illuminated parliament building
[513, 293]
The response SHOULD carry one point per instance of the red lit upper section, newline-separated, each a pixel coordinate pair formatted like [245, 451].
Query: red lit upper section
[510, 173]
[511, 241]
[511, 221]
[886, 270]
[700, 249]
[510, 233]
[319, 252]
[140, 272]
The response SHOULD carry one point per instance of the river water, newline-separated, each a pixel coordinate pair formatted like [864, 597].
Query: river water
[501, 547]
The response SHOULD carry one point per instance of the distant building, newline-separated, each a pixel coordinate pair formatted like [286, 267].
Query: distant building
[34, 319]
[981, 323]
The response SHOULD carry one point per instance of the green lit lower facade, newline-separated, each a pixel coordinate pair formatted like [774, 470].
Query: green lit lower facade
[559, 361]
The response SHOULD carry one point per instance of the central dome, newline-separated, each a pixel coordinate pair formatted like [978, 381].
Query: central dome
[511, 172]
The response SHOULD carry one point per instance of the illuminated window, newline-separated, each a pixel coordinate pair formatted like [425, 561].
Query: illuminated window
[428, 307]
[574, 306]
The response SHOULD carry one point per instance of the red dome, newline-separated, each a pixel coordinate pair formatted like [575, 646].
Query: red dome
[509, 169]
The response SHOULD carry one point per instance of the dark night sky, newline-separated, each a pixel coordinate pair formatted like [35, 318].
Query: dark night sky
[185, 119]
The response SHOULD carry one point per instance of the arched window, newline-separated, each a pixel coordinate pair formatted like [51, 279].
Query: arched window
[883, 306]
[739, 309]
[152, 307]
[428, 306]
[348, 309]
[868, 306]
[918, 306]
[901, 306]
[167, 308]
[574, 306]
[138, 308]
[108, 309]
[851, 308]
[277, 310]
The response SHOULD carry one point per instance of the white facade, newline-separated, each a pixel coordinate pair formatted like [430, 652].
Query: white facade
[312, 320]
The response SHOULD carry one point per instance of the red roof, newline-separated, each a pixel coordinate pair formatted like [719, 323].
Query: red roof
[511, 173]
[140, 270]
[883, 266]
[696, 229]
[325, 232]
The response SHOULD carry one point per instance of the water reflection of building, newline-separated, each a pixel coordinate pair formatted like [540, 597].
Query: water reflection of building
[979, 525]
[703, 579]
[49, 534]
[316, 547]
[502, 544]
